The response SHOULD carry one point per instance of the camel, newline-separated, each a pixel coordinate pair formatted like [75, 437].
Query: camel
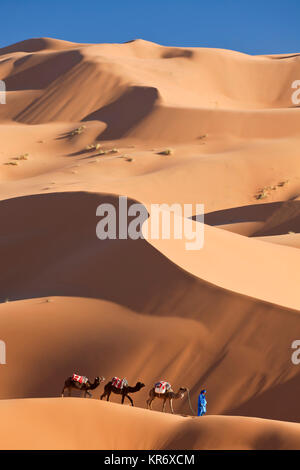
[109, 388]
[168, 395]
[84, 387]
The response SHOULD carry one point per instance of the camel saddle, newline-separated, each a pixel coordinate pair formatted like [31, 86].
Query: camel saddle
[162, 387]
[119, 383]
[79, 378]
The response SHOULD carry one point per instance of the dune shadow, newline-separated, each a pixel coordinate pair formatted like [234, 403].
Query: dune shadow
[252, 213]
[126, 112]
[22, 60]
[49, 247]
[279, 218]
[41, 75]
[290, 56]
[286, 219]
[78, 153]
[64, 135]
[276, 402]
[175, 53]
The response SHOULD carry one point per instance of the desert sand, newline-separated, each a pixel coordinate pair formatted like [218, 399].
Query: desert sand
[223, 317]
[87, 424]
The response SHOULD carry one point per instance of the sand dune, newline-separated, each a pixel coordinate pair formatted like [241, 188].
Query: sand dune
[223, 317]
[54, 424]
[214, 81]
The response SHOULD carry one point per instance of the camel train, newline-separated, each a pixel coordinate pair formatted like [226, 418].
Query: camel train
[161, 390]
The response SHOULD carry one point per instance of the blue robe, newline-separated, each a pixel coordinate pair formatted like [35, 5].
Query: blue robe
[201, 404]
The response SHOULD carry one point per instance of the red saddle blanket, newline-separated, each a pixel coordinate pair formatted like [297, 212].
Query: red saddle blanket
[118, 383]
[79, 378]
[162, 387]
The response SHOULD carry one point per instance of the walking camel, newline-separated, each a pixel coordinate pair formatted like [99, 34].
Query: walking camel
[167, 395]
[85, 387]
[109, 388]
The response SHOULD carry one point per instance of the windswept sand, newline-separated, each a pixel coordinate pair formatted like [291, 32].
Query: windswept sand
[223, 317]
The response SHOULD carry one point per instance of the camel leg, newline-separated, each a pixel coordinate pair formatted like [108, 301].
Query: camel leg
[164, 405]
[103, 395]
[108, 395]
[63, 392]
[149, 403]
[88, 393]
[70, 391]
[129, 398]
[171, 405]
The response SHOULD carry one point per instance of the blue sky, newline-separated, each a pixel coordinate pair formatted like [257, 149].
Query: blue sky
[251, 26]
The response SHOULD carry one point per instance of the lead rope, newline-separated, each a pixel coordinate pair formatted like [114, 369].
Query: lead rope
[192, 410]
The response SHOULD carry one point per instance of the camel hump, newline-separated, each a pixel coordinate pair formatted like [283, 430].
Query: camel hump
[119, 383]
[79, 378]
[162, 386]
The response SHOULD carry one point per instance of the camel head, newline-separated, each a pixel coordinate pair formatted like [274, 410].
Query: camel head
[182, 391]
[139, 385]
[98, 380]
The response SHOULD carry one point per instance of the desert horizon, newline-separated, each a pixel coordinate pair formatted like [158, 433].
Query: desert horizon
[86, 125]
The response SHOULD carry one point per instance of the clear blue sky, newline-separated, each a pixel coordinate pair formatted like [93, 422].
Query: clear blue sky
[251, 26]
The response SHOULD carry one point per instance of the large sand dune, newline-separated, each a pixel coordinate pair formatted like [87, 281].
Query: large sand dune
[87, 424]
[223, 317]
